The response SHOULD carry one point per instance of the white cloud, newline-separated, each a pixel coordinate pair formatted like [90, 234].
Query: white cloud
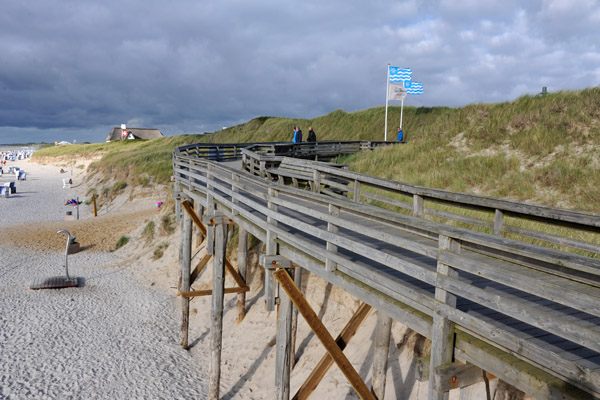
[204, 65]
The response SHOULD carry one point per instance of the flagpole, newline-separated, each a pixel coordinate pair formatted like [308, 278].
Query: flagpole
[401, 110]
[387, 93]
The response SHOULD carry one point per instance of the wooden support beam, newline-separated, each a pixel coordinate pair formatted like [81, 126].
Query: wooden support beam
[381, 349]
[442, 340]
[271, 250]
[453, 375]
[216, 316]
[324, 336]
[283, 349]
[190, 210]
[200, 236]
[298, 282]
[208, 292]
[234, 274]
[242, 267]
[330, 265]
[199, 268]
[186, 259]
[176, 194]
[326, 361]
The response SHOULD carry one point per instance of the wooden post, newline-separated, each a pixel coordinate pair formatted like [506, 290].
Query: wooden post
[298, 283]
[498, 219]
[324, 336]
[235, 182]
[263, 169]
[200, 234]
[283, 351]
[331, 266]
[442, 337]
[210, 211]
[271, 250]
[242, 268]
[216, 315]
[186, 261]
[95, 208]
[381, 346]
[417, 206]
[356, 195]
[177, 195]
[316, 181]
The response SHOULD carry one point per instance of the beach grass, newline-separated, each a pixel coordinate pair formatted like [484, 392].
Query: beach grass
[541, 149]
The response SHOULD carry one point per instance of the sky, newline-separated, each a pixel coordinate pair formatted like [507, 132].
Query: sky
[74, 69]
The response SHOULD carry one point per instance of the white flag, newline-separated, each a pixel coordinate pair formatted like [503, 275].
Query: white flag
[397, 92]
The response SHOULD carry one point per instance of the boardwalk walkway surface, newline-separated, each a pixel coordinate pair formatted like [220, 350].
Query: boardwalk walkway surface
[525, 313]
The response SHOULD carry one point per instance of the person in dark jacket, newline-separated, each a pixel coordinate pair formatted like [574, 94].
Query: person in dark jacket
[312, 137]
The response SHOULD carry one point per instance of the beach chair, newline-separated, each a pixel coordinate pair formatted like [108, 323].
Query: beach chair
[11, 186]
[22, 175]
[66, 183]
[4, 191]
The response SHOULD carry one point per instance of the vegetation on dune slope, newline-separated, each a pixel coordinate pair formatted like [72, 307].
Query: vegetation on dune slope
[542, 149]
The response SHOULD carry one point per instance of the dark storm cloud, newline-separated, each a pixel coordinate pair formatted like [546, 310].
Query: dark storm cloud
[78, 68]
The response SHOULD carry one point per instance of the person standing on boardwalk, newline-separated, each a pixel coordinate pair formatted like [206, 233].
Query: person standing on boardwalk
[297, 135]
[400, 135]
[312, 137]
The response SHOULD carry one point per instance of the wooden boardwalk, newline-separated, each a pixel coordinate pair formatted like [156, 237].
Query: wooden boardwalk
[529, 315]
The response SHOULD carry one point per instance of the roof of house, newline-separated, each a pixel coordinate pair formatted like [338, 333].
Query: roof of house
[137, 133]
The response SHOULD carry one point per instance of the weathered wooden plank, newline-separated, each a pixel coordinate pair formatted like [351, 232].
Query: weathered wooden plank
[208, 292]
[324, 336]
[381, 348]
[330, 247]
[242, 268]
[581, 297]
[411, 317]
[198, 269]
[284, 349]
[186, 254]
[216, 316]
[190, 210]
[442, 340]
[271, 250]
[524, 348]
[298, 282]
[401, 265]
[527, 378]
[523, 311]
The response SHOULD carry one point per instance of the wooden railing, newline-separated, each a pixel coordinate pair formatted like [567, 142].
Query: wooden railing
[320, 150]
[498, 216]
[421, 271]
[257, 158]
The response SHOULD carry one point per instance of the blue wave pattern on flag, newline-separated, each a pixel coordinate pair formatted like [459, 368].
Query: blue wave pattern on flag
[400, 74]
[413, 87]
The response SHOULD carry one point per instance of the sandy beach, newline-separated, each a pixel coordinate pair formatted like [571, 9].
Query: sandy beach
[110, 339]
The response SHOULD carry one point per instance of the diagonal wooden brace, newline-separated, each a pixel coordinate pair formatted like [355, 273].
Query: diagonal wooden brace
[326, 361]
[321, 332]
[190, 210]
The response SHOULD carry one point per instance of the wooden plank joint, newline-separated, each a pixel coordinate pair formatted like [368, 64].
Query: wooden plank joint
[274, 262]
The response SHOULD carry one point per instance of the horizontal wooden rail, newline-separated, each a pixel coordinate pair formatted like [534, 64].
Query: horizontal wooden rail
[495, 215]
